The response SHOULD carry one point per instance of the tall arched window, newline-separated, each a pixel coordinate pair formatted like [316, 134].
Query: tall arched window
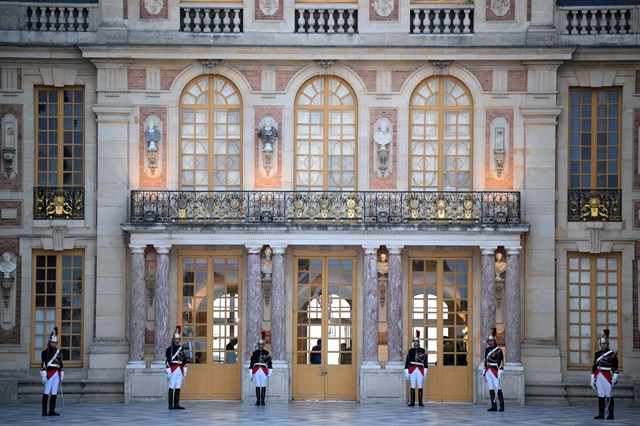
[325, 151]
[441, 137]
[211, 135]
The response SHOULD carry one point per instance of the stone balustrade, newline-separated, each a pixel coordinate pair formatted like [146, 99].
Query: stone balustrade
[326, 19]
[602, 19]
[441, 19]
[225, 19]
[60, 17]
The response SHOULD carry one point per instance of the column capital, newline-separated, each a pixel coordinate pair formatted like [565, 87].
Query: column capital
[137, 249]
[486, 250]
[370, 249]
[513, 250]
[395, 249]
[278, 249]
[162, 249]
[253, 249]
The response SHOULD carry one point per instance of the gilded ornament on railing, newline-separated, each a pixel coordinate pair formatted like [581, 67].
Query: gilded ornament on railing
[58, 203]
[594, 205]
[264, 207]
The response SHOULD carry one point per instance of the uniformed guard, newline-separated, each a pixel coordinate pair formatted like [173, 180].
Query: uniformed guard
[415, 369]
[493, 369]
[52, 373]
[176, 364]
[604, 375]
[261, 369]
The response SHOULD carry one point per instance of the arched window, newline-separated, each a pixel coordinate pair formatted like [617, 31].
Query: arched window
[325, 151]
[211, 135]
[441, 137]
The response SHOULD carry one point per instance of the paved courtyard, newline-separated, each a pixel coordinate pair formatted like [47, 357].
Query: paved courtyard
[308, 413]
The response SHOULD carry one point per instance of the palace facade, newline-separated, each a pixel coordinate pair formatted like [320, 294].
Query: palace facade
[338, 175]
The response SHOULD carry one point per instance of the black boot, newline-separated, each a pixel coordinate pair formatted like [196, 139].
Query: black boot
[413, 398]
[52, 405]
[45, 401]
[258, 395]
[170, 399]
[492, 395]
[501, 400]
[176, 400]
[420, 398]
[263, 396]
[610, 410]
[600, 409]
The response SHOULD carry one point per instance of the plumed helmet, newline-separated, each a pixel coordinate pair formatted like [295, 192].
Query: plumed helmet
[177, 334]
[262, 339]
[604, 339]
[53, 337]
[416, 338]
[492, 336]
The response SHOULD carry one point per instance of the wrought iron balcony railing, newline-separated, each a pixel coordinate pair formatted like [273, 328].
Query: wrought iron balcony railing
[293, 207]
[58, 203]
[594, 205]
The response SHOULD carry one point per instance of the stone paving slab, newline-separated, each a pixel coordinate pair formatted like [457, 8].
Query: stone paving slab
[308, 413]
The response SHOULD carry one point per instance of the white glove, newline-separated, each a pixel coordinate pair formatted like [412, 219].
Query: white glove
[270, 371]
[484, 377]
[614, 379]
[251, 375]
[426, 370]
[168, 371]
[43, 376]
[185, 371]
[592, 382]
[61, 376]
[406, 373]
[500, 374]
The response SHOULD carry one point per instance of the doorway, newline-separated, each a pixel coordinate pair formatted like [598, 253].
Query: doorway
[440, 309]
[324, 322]
[209, 306]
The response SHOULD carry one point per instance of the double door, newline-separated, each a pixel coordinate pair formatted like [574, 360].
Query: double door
[324, 323]
[210, 312]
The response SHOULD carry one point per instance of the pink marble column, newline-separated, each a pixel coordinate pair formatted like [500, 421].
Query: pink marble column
[488, 294]
[512, 306]
[370, 307]
[278, 306]
[254, 299]
[161, 304]
[137, 306]
[394, 305]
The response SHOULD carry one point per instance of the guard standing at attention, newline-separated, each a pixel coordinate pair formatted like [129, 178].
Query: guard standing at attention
[52, 373]
[604, 375]
[415, 369]
[176, 364]
[493, 369]
[261, 369]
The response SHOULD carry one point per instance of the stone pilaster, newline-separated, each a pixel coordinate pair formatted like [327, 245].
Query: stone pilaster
[254, 300]
[394, 306]
[137, 307]
[488, 296]
[370, 307]
[161, 304]
[278, 306]
[512, 305]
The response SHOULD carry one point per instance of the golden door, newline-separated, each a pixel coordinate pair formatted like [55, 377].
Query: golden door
[209, 303]
[440, 308]
[324, 320]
